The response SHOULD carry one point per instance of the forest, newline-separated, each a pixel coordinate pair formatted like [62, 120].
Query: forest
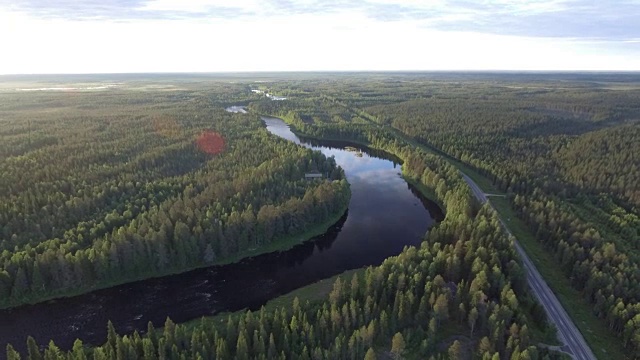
[141, 196]
[98, 190]
[562, 149]
[465, 278]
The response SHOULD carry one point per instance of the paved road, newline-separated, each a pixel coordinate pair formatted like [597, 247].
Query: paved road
[574, 343]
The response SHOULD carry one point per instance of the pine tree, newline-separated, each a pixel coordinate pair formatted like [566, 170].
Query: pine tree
[37, 282]
[370, 355]
[20, 285]
[12, 354]
[242, 349]
[272, 352]
[456, 351]
[441, 308]
[112, 336]
[169, 332]
[52, 352]
[149, 352]
[397, 345]
[33, 349]
[484, 347]
[100, 354]
[209, 255]
[121, 350]
[151, 334]
[222, 351]
[78, 350]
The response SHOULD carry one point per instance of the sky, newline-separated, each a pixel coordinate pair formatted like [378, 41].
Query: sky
[120, 36]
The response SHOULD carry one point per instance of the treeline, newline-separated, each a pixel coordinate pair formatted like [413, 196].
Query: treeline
[431, 170]
[558, 165]
[567, 151]
[125, 193]
[565, 136]
[572, 169]
[607, 278]
[464, 279]
[522, 146]
[320, 110]
[605, 161]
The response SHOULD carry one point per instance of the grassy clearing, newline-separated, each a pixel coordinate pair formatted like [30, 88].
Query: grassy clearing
[484, 183]
[602, 341]
[317, 291]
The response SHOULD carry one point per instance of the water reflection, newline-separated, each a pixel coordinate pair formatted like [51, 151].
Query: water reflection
[384, 216]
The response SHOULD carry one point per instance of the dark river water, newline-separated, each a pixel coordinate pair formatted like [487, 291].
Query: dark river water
[385, 214]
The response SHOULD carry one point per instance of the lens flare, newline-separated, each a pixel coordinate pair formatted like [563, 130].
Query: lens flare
[210, 142]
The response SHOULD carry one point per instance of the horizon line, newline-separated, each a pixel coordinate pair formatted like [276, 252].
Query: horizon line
[228, 72]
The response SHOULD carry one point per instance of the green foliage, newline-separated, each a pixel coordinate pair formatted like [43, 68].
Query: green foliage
[563, 147]
[370, 355]
[124, 192]
[466, 262]
[397, 345]
[563, 150]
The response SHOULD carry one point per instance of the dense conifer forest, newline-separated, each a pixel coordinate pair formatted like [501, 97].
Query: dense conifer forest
[104, 188]
[99, 190]
[465, 277]
[564, 150]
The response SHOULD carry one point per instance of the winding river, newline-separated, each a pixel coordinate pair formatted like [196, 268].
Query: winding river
[385, 214]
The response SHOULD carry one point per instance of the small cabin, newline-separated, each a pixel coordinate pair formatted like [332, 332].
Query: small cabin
[312, 175]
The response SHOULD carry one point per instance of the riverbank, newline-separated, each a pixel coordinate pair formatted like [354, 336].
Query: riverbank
[287, 242]
[319, 290]
[384, 216]
[316, 292]
[426, 192]
[282, 244]
[602, 341]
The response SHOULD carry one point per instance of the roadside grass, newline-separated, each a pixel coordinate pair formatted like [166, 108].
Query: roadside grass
[603, 342]
[547, 336]
[484, 183]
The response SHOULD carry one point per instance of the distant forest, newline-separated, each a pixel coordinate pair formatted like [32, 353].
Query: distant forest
[564, 150]
[101, 188]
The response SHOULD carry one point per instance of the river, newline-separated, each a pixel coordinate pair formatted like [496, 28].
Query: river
[385, 214]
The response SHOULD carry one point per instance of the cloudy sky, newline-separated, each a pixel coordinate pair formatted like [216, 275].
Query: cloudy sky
[103, 36]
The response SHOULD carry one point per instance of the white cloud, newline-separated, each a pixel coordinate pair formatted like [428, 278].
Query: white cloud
[338, 40]
[200, 6]
[530, 7]
[417, 4]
